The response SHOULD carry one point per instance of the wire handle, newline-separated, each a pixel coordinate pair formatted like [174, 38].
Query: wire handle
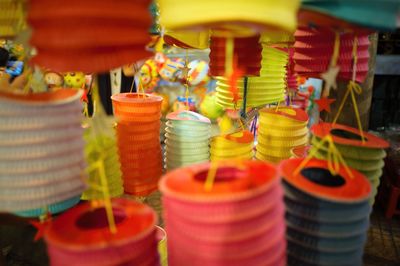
[334, 157]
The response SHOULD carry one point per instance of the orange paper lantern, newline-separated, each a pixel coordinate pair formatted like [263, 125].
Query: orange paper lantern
[89, 36]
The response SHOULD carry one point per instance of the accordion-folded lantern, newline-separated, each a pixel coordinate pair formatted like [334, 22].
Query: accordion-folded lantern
[259, 14]
[246, 52]
[314, 50]
[41, 152]
[327, 216]
[12, 17]
[239, 221]
[138, 139]
[88, 36]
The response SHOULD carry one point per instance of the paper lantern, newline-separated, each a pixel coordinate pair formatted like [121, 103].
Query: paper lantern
[89, 36]
[186, 139]
[41, 152]
[103, 147]
[246, 50]
[327, 215]
[236, 15]
[239, 221]
[280, 130]
[12, 18]
[138, 137]
[277, 38]
[374, 14]
[266, 89]
[237, 145]
[187, 39]
[82, 236]
[366, 157]
[314, 49]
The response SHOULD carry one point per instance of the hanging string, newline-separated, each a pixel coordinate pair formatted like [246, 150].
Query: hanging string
[229, 49]
[336, 48]
[212, 172]
[98, 166]
[353, 88]
[243, 112]
[334, 157]
[333, 62]
[186, 82]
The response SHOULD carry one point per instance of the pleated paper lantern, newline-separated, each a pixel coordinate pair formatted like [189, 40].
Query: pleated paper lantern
[279, 38]
[89, 36]
[327, 215]
[266, 89]
[41, 152]
[103, 147]
[138, 137]
[81, 236]
[314, 49]
[12, 17]
[366, 157]
[229, 15]
[279, 131]
[374, 14]
[239, 221]
[186, 139]
[247, 51]
[237, 145]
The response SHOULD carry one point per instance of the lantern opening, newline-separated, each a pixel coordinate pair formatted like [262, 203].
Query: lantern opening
[224, 174]
[323, 177]
[346, 134]
[97, 219]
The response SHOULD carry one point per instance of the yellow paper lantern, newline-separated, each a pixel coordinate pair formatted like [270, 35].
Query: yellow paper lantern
[280, 130]
[238, 145]
[230, 15]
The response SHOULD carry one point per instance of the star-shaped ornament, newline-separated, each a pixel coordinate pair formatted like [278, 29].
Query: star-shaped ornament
[324, 104]
[330, 79]
[41, 226]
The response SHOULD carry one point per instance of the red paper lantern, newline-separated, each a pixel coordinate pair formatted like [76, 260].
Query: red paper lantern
[314, 49]
[88, 36]
[81, 236]
[247, 52]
